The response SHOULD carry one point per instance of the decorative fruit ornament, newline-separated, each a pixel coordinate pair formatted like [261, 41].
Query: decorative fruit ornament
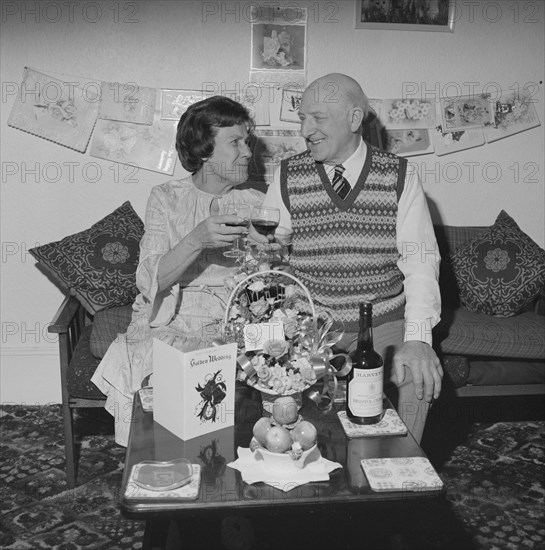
[260, 429]
[278, 439]
[305, 434]
[284, 410]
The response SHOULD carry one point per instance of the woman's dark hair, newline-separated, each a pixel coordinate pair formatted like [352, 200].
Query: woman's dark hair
[195, 135]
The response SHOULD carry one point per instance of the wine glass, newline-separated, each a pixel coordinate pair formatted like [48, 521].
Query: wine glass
[243, 211]
[265, 220]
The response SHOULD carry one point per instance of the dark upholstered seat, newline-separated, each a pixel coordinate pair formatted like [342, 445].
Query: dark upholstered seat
[82, 366]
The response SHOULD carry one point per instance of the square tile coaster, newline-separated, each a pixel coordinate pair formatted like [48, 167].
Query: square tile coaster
[401, 474]
[186, 492]
[391, 424]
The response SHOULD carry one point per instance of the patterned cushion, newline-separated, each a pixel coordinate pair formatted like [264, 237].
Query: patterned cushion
[107, 324]
[97, 265]
[449, 238]
[501, 271]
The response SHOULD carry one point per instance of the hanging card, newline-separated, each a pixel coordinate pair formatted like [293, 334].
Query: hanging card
[127, 102]
[55, 110]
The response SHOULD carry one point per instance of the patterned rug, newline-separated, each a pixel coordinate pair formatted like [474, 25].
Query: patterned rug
[494, 482]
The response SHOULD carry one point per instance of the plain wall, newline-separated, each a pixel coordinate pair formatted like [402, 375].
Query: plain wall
[181, 45]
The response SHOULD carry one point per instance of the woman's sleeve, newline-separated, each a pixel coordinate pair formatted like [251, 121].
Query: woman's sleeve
[154, 245]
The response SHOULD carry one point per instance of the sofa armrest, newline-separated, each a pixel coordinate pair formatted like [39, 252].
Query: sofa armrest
[68, 322]
[65, 316]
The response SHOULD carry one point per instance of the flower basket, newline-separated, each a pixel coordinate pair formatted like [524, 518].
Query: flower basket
[279, 365]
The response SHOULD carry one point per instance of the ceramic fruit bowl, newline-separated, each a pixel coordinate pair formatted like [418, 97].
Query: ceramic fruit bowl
[294, 457]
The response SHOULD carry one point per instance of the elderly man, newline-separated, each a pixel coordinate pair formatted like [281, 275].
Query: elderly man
[361, 231]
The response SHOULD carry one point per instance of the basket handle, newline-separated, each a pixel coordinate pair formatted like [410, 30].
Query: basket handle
[270, 271]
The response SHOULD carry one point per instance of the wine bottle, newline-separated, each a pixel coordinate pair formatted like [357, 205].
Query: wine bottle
[365, 380]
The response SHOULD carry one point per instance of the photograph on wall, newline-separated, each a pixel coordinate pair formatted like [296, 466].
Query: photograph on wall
[279, 44]
[514, 112]
[278, 47]
[406, 15]
[450, 142]
[148, 147]
[174, 103]
[55, 110]
[270, 147]
[406, 143]
[464, 112]
[127, 102]
[291, 101]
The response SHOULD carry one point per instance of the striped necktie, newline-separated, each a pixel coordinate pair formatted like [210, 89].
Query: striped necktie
[339, 183]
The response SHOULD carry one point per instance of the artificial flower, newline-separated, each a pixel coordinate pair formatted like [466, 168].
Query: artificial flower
[276, 348]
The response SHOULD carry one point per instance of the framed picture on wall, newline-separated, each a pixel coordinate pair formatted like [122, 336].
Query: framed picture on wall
[406, 15]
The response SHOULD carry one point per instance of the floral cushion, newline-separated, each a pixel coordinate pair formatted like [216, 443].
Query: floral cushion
[97, 265]
[501, 271]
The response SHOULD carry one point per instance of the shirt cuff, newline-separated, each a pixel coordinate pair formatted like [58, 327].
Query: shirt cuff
[419, 330]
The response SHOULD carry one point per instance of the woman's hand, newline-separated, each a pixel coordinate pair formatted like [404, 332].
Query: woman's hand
[212, 232]
[218, 230]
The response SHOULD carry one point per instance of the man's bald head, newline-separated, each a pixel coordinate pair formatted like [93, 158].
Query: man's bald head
[338, 88]
[332, 111]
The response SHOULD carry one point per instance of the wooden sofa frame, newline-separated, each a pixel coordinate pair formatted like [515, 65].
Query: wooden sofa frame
[69, 323]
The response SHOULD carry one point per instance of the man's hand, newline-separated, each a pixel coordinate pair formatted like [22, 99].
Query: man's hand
[425, 368]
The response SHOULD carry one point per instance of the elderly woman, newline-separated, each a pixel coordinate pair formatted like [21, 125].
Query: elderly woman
[182, 266]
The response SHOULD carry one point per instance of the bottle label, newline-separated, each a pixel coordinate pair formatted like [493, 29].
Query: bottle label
[365, 392]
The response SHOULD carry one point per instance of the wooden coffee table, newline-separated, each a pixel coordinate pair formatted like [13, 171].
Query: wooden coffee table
[341, 509]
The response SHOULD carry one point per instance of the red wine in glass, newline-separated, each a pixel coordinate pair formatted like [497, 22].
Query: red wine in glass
[242, 211]
[264, 227]
[265, 220]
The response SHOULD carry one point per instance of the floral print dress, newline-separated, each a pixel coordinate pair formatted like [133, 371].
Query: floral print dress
[185, 316]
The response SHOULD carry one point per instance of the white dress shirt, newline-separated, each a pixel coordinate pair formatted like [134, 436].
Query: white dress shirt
[419, 255]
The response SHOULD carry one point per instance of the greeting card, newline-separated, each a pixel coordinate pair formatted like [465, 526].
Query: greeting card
[174, 103]
[55, 110]
[514, 112]
[127, 103]
[194, 392]
[450, 142]
[406, 143]
[404, 113]
[148, 147]
[462, 113]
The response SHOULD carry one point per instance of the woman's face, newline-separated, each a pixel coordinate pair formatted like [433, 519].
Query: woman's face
[229, 162]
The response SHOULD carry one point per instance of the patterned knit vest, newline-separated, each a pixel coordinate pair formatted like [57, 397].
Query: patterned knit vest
[344, 251]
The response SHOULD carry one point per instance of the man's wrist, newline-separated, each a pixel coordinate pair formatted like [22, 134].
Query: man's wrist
[419, 331]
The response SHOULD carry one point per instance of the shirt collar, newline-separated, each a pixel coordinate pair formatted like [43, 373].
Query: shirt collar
[353, 165]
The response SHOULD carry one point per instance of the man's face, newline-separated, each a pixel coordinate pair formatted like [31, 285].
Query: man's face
[229, 162]
[325, 125]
